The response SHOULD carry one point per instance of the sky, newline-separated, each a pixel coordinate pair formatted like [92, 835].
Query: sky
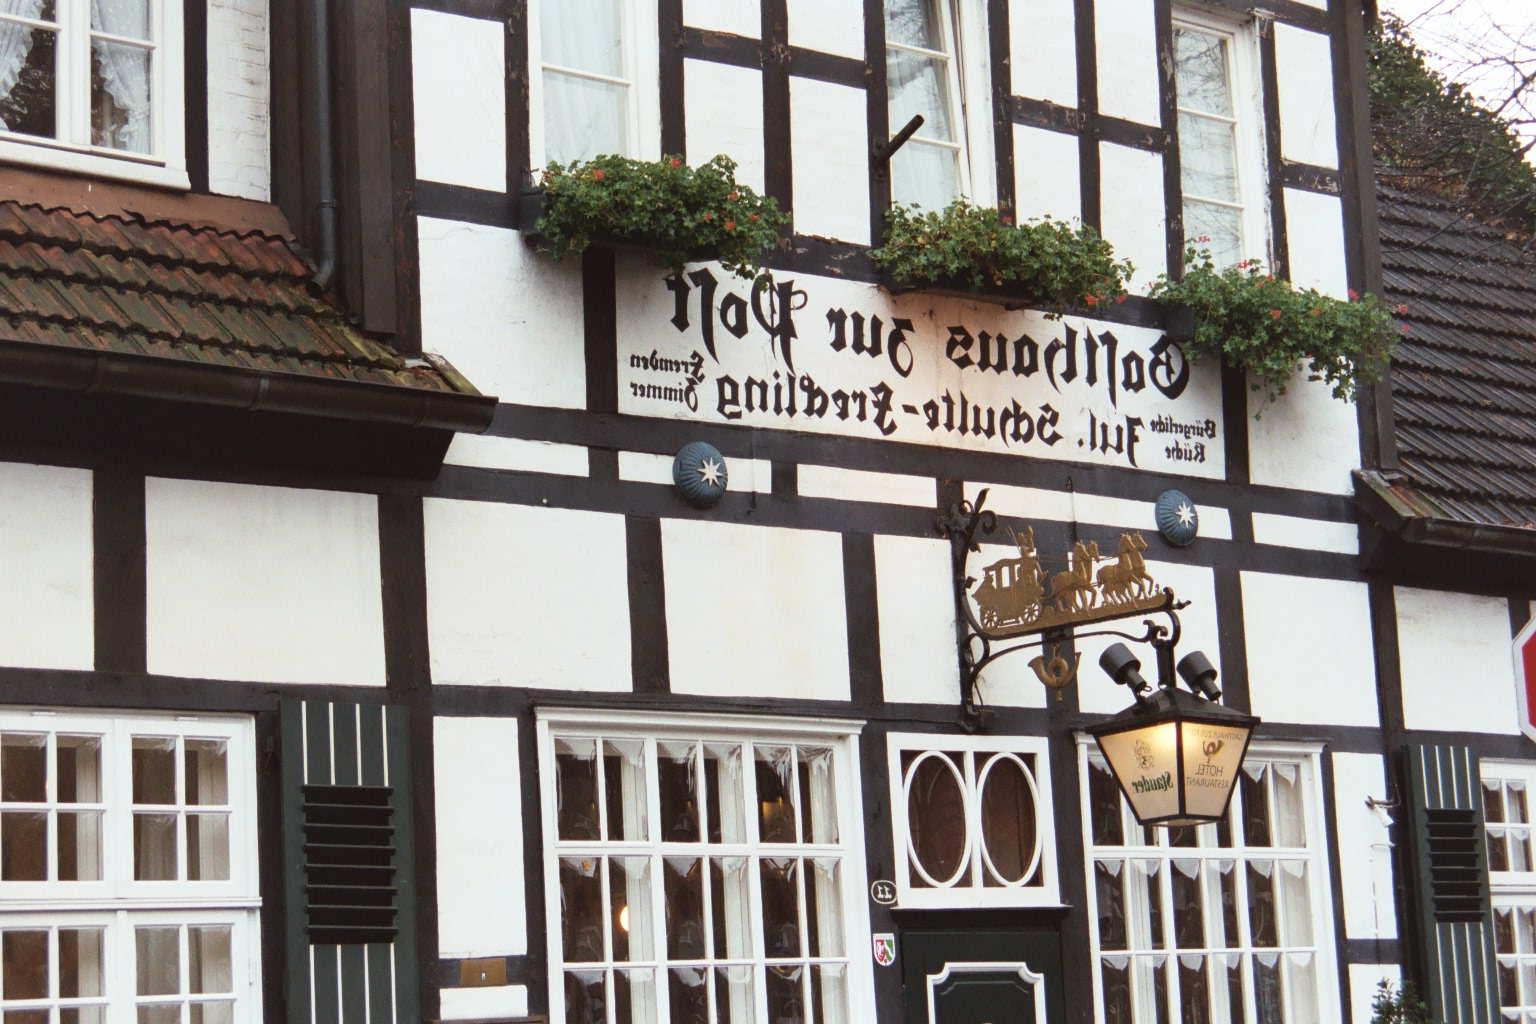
[1460, 32]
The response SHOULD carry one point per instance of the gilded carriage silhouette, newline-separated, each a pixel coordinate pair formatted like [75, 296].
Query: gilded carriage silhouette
[1016, 595]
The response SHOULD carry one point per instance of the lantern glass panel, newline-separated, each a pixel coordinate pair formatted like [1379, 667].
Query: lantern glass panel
[1212, 756]
[1144, 762]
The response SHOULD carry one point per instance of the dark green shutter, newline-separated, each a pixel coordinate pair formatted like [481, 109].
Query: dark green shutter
[348, 869]
[1449, 864]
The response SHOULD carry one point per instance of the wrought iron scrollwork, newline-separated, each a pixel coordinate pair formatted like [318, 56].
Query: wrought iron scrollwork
[1018, 597]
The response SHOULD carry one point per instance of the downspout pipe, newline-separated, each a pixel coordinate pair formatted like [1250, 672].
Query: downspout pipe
[325, 159]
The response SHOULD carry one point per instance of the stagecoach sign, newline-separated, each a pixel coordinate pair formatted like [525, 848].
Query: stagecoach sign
[831, 356]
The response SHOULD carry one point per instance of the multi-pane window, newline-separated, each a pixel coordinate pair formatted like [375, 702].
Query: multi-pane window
[92, 76]
[588, 84]
[1512, 874]
[1227, 923]
[923, 77]
[127, 878]
[1213, 150]
[973, 821]
[701, 877]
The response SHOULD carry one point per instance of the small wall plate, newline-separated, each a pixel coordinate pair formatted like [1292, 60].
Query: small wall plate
[1177, 518]
[699, 474]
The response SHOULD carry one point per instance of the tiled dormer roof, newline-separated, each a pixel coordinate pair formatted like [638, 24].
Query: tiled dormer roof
[121, 283]
[1464, 377]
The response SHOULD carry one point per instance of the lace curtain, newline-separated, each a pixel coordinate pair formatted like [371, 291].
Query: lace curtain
[15, 42]
[125, 70]
[583, 116]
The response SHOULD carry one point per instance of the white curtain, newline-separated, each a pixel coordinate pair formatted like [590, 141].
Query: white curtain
[15, 42]
[583, 116]
[126, 70]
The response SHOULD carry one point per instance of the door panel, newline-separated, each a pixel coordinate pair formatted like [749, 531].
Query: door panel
[982, 977]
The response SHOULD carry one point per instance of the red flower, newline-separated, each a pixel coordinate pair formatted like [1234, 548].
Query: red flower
[1091, 300]
[730, 225]
[598, 175]
[1402, 310]
[753, 217]
[1006, 219]
[1275, 314]
[708, 215]
[675, 162]
[734, 196]
[1406, 329]
[1120, 298]
[1354, 296]
[1202, 238]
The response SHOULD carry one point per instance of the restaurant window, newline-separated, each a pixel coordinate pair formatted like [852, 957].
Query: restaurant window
[703, 870]
[1512, 879]
[933, 67]
[127, 870]
[1229, 922]
[1220, 159]
[592, 58]
[972, 819]
[94, 86]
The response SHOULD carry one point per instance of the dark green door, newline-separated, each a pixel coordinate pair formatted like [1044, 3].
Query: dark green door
[982, 977]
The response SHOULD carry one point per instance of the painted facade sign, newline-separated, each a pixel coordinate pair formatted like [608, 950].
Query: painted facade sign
[828, 356]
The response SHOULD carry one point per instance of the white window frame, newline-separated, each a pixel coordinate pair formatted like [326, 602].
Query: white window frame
[119, 904]
[1316, 859]
[166, 163]
[970, 891]
[841, 734]
[1512, 890]
[968, 57]
[1248, 126]
[638, 20]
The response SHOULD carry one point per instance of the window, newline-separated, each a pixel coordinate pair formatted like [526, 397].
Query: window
[928, 72]
[127, 870]
[973, 821]
[705, 871]
[1228, 923]
[94, 86]
[1219, 154]
[591, 57]
[1512, 878]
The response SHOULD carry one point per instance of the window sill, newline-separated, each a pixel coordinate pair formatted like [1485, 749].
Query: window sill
[92, 164]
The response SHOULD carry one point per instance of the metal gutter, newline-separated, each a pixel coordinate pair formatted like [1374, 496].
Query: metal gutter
[80, 371]
[1374, 494]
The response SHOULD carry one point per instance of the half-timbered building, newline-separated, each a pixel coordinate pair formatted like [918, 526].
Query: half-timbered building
[336, 689]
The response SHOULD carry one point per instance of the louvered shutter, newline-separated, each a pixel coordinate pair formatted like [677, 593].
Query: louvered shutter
[348, 870]
[1449, 864]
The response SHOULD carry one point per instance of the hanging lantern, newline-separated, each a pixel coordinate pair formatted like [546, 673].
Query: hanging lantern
[1176, 756]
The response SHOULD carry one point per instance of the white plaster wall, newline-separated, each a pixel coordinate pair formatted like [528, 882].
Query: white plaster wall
[861, 485]
[269, 584]
[1193, 583]
[829, 144]
[47, 610]
[830, 26]
[917, 620]
[459, 72]
[519, 595]
[1314, 230]
[1304, 71]
[755, 611]
[1307, 439]
[1363, 979]
[507, 317]
[1046, 175]
[484, 1003]
[1309, 650]
[1365, 849]
[739, 17]
[1308, 534]
[1131, 208]
[481, 891]
[484, 451]
[1043, 48]
[1126, 38]
[1456, 661]
[725, 115]
[239, 115]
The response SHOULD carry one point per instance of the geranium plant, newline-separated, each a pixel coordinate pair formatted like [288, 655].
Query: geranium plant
[1267, 326]
[1047, 261]
[678, 212]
